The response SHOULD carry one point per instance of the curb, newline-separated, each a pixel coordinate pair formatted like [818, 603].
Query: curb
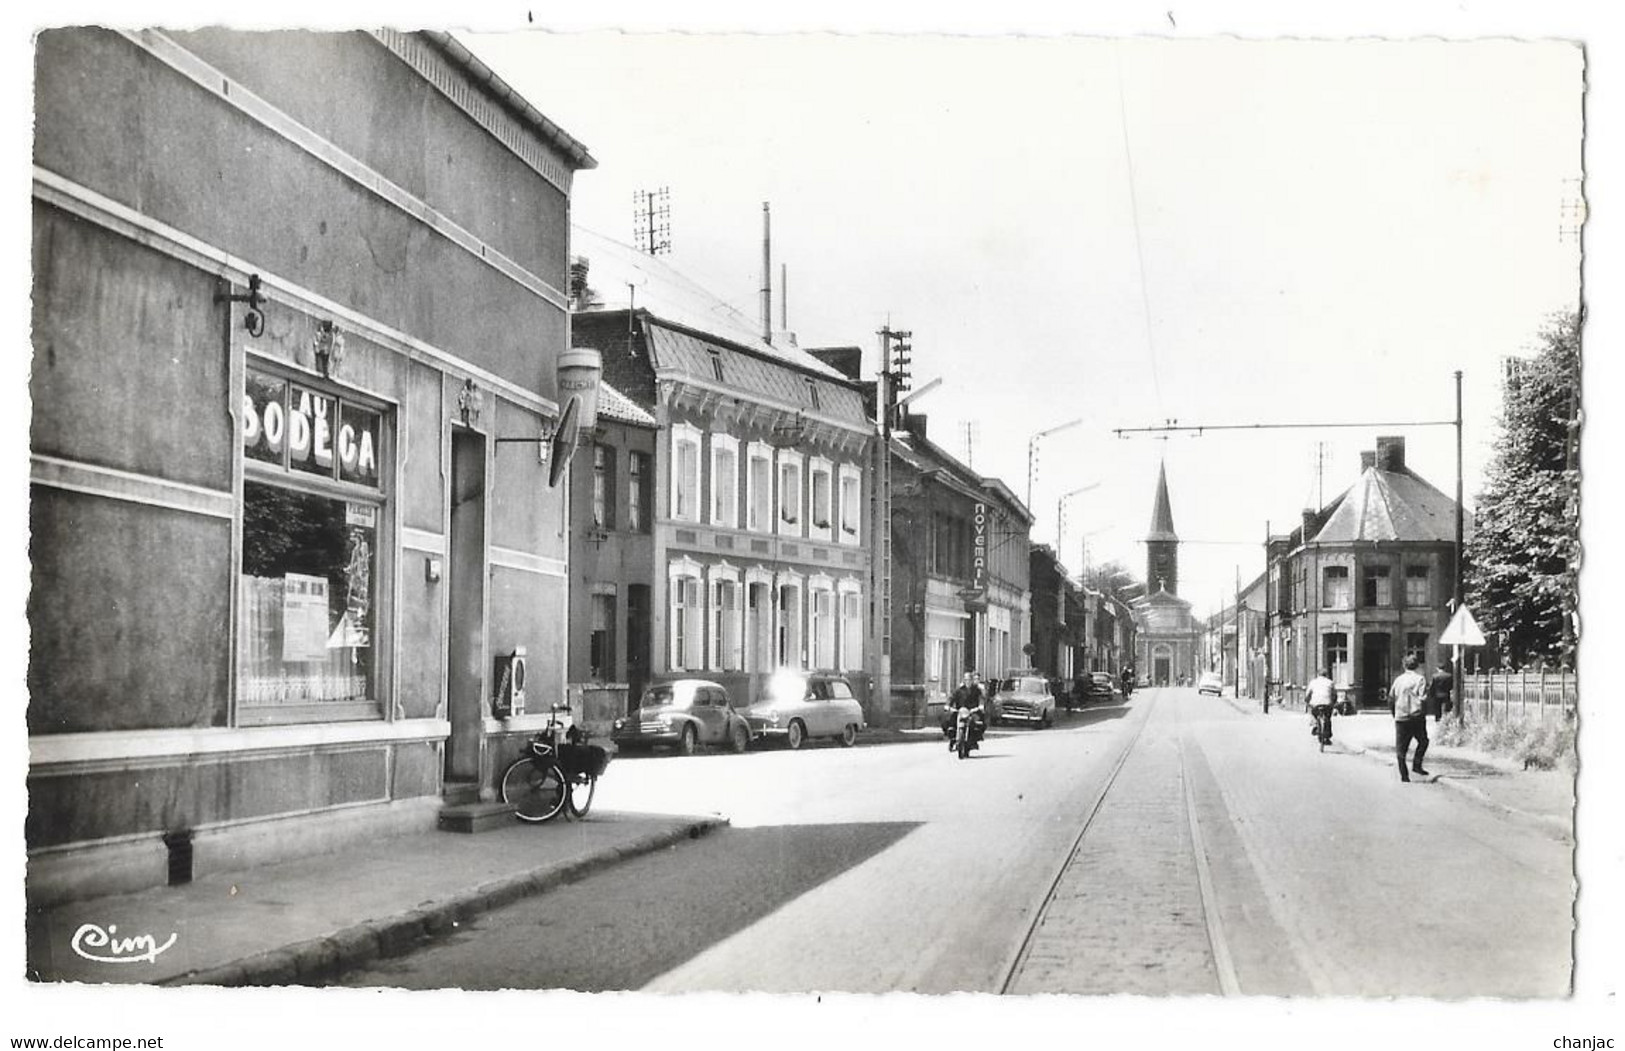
[320, 960]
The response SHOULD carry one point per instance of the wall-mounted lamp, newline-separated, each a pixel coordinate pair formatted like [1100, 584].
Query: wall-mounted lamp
[253, 318]
[328, 346]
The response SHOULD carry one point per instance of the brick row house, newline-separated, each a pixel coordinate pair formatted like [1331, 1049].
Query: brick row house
[760, 482]
[288, 290]
[1365, 581]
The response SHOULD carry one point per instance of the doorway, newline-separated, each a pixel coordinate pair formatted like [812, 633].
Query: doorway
[1376, 669]
[637, 643]
[465, 628]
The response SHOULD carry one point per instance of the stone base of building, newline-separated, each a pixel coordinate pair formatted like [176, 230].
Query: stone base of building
[126, 865]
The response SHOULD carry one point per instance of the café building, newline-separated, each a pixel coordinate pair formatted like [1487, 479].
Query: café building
[298, 326]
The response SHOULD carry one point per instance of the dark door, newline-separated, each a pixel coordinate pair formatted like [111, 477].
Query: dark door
[1161, 672]
[637, 642]
[465, 585]
[1376, 670]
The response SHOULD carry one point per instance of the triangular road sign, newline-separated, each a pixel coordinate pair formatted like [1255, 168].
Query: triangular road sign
[1463, 629]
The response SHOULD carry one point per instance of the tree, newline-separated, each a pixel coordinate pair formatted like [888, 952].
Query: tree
[1523, 560]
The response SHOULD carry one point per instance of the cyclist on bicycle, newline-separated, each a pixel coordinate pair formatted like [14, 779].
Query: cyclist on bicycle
[1321, 697]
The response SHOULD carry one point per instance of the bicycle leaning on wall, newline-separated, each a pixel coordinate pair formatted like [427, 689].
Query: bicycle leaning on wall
[556, 773]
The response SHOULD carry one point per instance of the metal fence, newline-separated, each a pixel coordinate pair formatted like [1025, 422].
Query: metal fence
[1539, 694]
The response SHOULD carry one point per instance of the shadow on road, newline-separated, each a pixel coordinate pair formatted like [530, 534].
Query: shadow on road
[623, 927]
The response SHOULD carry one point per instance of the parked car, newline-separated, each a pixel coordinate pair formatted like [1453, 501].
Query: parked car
[682, 714]
[1024, 699]
[1100, 686]
[1210, 683]
[800, 706]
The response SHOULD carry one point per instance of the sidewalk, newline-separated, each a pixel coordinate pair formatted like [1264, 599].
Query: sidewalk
[301, 921]
[1543, 798]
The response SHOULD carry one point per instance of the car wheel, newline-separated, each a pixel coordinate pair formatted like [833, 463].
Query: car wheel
[796, 736]
[849, 736]
[739, 738]
[689, 743]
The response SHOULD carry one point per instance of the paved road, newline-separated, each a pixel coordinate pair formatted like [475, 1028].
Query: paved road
[898, 867]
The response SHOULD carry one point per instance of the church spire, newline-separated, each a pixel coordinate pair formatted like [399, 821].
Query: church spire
[1162, 513]
[1162, 543]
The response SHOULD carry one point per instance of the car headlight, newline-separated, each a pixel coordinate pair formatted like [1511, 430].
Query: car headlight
[773, 718]
[620, 724]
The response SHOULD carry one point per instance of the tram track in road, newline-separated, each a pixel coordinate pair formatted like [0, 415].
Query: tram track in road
[1077, 931]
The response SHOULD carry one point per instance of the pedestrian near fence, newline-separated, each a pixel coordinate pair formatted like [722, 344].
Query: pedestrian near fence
[1409, 700]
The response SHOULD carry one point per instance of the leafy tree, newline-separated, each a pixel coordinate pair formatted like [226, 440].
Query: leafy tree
[1523, 560]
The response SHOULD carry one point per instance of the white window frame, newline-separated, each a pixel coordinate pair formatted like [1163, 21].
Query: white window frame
[684, 621]
[821, 633]
[683, 434]
[797, 526]
[795, 629]
[761, 511]
[852, 514]
[729, 508]
[816, 466]
[849, 630]
[724, 627]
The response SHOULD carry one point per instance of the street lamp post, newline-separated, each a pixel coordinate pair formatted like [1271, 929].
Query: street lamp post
[1060, 512]
[1032, 451]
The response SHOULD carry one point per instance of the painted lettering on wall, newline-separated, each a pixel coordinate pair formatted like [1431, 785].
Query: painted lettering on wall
[306, 430]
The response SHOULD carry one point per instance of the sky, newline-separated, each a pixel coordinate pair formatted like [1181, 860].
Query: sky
[1118, 231]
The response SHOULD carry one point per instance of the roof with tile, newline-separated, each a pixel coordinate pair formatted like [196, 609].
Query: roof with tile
[617, 406]
[1390, 505]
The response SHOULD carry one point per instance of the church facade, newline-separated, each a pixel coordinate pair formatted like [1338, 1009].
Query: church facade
[1168, 638]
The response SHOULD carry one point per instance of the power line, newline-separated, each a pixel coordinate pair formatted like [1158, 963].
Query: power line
[1134, 211]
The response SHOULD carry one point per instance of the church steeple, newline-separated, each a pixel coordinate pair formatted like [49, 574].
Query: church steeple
[1162, 543]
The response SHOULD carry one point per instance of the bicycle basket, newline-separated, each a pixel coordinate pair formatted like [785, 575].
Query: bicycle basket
[587, 759]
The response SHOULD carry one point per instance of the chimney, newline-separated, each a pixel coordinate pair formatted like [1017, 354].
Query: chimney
[1391, 453]
[1309, 528]
[578, 282]
[1368, 460]
[914, 423]
[848, 361]
[767, 273]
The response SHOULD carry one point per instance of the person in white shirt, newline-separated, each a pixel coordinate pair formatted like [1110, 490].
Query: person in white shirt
[1321, 696]
[1408, 696]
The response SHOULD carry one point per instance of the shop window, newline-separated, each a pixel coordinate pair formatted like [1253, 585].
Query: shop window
[1335, 593]
[1417, 591]
[308, 587]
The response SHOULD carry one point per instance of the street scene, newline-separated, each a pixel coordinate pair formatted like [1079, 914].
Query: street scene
[1071, 520]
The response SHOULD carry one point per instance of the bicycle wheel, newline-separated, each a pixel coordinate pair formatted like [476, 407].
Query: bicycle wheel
[536, 790]
[579, 797]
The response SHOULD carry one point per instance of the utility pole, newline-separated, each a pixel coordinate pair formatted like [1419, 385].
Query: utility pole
[1269, 629]
[895, 354]
[1461, 555]
[1238, 633]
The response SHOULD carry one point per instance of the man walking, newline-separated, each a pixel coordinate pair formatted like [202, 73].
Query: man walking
[1408, 697]
[1439, 688]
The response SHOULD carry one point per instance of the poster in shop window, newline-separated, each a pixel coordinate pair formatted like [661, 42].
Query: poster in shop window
[304, 618]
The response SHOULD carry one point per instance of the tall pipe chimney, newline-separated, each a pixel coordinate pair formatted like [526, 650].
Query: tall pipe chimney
[784, 296]
[767, 273]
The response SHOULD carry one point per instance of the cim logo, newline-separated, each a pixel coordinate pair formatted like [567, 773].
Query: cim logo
[93, 942]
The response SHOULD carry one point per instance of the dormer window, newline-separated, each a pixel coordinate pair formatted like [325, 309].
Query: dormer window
[812, 395]
[716, 365]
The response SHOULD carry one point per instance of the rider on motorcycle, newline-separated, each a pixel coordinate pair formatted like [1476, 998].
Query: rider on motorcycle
[969, 694]
[1321, 697]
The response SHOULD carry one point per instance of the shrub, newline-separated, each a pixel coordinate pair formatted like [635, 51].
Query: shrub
[1542, 744]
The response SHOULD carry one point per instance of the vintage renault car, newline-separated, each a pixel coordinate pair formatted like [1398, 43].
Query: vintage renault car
[682, 714]
[1024, 699]
[800, 706]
